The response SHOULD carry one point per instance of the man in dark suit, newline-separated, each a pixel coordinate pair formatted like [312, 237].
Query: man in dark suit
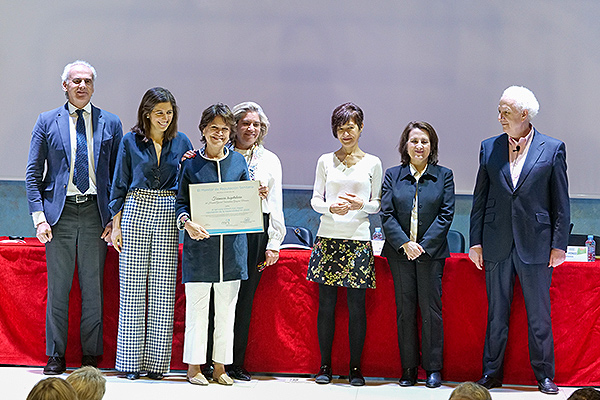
[69, 173]
[520, 226]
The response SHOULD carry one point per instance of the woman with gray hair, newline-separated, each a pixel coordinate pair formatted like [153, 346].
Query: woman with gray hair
[251, 126]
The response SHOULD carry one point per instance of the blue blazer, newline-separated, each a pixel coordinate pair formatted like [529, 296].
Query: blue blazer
[534, 215]
[203, 260]
[51, 148]
[436, 209]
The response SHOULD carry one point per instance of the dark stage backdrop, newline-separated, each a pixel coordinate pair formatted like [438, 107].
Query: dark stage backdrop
[445, 62]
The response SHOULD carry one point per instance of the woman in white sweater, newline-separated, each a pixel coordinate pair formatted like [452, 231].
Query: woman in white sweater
[347, 189]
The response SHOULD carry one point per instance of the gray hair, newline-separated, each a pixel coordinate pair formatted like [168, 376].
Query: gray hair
[523, 98]
[67, 70]
[240, 110]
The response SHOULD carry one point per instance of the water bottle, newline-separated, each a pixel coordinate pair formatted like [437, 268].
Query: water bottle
[377, 241]
[377, 235]
[590, 245]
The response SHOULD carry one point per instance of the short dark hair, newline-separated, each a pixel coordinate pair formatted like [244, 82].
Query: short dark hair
[150, 99]
[344, 113]
[433, 141]
[212, 112]
[587, 393]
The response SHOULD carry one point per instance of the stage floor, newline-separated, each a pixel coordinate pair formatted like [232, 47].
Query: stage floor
[18, 381]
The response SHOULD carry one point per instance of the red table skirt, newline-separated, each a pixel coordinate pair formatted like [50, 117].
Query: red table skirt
[283, 331]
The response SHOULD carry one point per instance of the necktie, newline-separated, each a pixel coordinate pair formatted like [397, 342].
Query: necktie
[81, 176]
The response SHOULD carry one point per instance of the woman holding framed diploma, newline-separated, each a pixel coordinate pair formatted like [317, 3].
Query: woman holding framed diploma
[347, 189]
[211, 261]
[145, 233]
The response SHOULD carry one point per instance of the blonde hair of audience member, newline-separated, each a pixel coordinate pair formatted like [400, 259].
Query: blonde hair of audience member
[88, 382]
[52, 389]
[470, 391]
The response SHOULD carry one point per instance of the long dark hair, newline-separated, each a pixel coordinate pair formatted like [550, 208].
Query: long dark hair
[150, 99]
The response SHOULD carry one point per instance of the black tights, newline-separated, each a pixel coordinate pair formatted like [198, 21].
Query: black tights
[357, 322]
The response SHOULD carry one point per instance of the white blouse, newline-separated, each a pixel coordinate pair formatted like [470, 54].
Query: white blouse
[264, 166]
[333, 179]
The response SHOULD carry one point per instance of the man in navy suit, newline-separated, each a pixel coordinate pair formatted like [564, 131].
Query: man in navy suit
[69, 173]
[520, 226]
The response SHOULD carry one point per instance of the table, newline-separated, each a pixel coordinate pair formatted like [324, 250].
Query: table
[283, 332]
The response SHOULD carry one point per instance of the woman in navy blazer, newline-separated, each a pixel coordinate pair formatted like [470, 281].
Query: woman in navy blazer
[417, 203]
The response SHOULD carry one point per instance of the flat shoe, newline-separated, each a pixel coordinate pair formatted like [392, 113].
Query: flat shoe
[224, 379]
[198, 379]
[323, 377]
[434, 379]
[409, 377]
[157, 376]
[356, 377]
[132, 376]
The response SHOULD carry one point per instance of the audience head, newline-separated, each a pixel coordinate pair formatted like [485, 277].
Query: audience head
[433, 142]
[245, 125]
[52, 389]
[215, 111]
[470, 391]
[345, 113]
[88, 382]
[587, 393]
[151, 98]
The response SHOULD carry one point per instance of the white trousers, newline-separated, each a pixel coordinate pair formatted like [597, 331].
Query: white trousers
[197, 300]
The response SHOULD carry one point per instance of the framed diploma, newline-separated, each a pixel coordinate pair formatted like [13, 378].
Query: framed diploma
[227, 207]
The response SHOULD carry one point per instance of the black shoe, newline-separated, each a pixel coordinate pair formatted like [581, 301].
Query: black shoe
[434, 379]
[409, 377]
[132, 376]
[56, 366]
[547, 386]
[489, 382]
[207, 369]
[91, 361]
[238, 372]
[324, 375]
[356, 377]
[157, 376]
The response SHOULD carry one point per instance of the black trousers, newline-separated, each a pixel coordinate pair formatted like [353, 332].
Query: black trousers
[357, 322]
[75, 239]
[535, 280]
[419, 282]
[257, 245]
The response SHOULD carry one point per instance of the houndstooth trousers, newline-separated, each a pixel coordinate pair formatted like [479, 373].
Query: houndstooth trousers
[147, 275]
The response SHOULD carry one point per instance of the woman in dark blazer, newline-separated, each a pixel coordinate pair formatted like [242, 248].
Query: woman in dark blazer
[218, 261]
[417, 203]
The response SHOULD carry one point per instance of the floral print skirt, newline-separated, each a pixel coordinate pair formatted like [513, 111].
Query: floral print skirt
[342, 262]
